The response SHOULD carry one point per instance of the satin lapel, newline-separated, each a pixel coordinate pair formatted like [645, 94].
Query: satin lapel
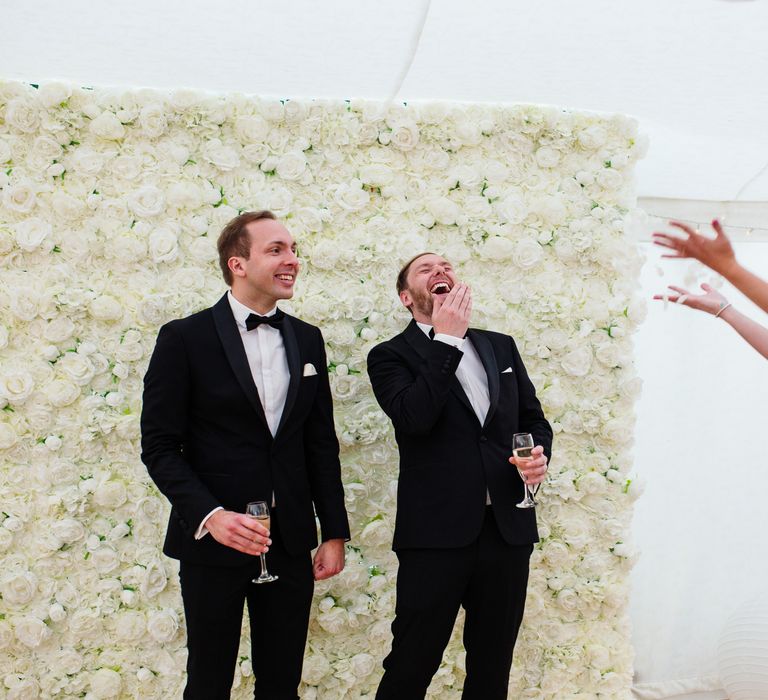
[485, 352]
[230, 338]
[420, 343]
[294, 368]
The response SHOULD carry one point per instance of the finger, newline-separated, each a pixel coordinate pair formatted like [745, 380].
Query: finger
[252, 525]
[718, 228]
[679, 290]
[664, 239]
[665, 297]
[685, 227]
[706, 287]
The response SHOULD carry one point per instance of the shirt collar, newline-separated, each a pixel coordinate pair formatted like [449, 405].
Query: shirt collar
[425, 327]
[241, 311]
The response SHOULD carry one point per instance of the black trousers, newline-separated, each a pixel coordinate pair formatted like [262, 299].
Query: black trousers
[488, 579]
[214, 597]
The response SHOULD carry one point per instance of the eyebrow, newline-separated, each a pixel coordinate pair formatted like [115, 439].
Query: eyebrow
[293, 245]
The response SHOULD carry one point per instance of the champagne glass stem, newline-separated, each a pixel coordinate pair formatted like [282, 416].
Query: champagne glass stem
[264, 571]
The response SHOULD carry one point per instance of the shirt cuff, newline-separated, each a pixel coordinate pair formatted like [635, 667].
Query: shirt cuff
[202, 531]
[450, 340]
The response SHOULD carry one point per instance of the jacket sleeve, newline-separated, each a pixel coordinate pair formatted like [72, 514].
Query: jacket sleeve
[321, 448]
[164, 427]
[531, 416]
[413, 400]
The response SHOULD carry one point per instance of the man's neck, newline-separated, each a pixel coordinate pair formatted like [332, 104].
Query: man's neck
[259, 304]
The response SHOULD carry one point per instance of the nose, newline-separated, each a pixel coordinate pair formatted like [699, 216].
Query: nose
[292, 258]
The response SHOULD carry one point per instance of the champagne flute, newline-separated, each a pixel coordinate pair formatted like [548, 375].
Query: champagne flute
[522, 445]
[259, 510]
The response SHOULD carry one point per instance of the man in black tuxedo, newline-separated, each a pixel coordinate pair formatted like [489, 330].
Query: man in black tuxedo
[237, 408]
[455, 397]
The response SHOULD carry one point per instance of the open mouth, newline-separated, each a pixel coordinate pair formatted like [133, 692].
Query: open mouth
[285, 277]
[440, 288]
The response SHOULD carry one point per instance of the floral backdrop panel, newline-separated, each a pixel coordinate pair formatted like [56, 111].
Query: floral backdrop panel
[111, 204]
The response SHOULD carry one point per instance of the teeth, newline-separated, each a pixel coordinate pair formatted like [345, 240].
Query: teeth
[440, 288]
[285, 277]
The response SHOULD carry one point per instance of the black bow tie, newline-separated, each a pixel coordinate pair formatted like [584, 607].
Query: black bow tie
[254, 320]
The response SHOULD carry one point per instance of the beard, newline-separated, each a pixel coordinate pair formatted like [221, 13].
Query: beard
[423, 302]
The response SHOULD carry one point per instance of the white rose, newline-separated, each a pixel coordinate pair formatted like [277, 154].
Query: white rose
[6, 539]
[251, 129]
[477, 207]
[163, 245]
[362, 664]
[130, 625]
[184, 195]
[6, 152]
[6, 634]
[443, 210]
[58, 330]
[16, 386]
[291, 166]
[18, 587]
[57, 613]
[592, 137]
[352, 197]
[551, 209]
[512, 209]
[8, 436]
[32, 234]
[146, 202]
[527, 253]
[87, 161]
[53, 94]
[21, 688]
[222, 156]
[107, 126]
[22, 116]
[77, 367]
[316, 668]
[144, 675]
[68, 530]
[20, 198]
[106, 683]
[106, 308]
[110, 494]
[105, 559]
[31, 631]
[61, 392]
[66, 206]
[126, 167]
[405, 136]
[376, 174]
[154, 580]
[3, 336]
[152, 120]
[577, 362]
[376, 532]
[497, 248]
[547, 157]
[333, 621]
[163, 625]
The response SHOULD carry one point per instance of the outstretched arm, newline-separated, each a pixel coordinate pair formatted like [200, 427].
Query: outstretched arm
[712, 302]
[717, 254]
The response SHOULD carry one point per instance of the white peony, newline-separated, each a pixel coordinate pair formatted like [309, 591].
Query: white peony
[108, 126]
[33, 233]
[163, 625]
[31, 631]
[106, 683]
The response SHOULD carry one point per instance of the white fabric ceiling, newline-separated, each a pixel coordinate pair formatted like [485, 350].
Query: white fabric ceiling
[692, 71]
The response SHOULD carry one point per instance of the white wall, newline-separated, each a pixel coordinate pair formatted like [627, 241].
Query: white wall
[701, 444]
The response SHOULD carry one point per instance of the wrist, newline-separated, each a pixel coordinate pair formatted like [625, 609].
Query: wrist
[722, 307]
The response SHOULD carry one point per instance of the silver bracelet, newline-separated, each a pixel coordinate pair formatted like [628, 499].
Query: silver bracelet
[722, 308]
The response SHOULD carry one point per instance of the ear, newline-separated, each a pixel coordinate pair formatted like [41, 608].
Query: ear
[405, 299]
[235, 265]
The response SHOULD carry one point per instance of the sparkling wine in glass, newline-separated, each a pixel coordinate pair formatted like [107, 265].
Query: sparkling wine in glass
[259, 510]
[522, 446]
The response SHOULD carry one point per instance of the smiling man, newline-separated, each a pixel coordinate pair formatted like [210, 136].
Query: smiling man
[237, 408]
[456, 396]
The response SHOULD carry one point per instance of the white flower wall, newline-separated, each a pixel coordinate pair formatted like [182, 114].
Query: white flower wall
[110, 207]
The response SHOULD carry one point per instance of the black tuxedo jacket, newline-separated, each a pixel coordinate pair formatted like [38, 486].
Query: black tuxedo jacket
[447, 458]
[206, 442]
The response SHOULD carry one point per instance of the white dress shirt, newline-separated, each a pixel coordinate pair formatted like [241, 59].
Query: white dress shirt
[265, 351]
[471, 375]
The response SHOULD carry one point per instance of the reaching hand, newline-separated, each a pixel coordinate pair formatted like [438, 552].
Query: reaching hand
[711, 301]
[716, 253]
[451, 312]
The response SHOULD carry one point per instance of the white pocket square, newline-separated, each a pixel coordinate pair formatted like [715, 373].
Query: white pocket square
[309, 370]
[508, 370]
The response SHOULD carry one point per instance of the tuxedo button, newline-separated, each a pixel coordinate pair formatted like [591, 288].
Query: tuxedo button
[483, 438]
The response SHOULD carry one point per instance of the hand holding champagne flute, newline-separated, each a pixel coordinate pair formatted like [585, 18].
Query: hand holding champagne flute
[522, 450]
[259, 510]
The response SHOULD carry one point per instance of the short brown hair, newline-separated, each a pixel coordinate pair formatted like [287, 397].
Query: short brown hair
[234, 240]
[402, 276]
